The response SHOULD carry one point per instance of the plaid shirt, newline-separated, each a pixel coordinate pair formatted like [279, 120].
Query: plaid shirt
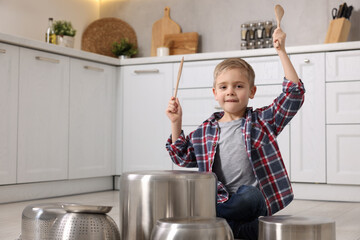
[260, 131]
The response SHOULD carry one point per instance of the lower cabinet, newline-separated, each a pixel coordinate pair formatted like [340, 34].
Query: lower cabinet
[9, 72]
[43, 125]
[92, 120]
[146, 92]
[343, 165]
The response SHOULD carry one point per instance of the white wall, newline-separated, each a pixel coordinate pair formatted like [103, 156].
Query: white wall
[29, 18]
[218, 21]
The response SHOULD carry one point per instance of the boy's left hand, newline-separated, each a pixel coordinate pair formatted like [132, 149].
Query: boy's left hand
[279, 39]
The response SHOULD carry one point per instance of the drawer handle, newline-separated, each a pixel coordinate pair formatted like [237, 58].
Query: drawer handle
[94, 68]
[306, 60]
[2, 51]
[218, 108]
[47, 59]
[147, 71]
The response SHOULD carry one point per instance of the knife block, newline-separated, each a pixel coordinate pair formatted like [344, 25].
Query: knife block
[338, 30]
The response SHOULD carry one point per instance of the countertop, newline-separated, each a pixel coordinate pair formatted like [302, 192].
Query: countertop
[38, 45]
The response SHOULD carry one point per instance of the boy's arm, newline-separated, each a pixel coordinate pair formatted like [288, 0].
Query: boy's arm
[174, 113]
[289, 70]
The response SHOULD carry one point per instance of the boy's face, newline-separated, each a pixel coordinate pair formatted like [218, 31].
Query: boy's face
[233, 91]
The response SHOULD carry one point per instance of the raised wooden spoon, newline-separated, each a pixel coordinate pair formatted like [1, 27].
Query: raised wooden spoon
[279, 13]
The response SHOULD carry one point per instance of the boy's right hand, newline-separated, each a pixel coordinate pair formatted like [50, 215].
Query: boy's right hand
[174, 111]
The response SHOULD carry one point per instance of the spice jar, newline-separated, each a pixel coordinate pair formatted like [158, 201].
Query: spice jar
[268, 43]
[259, 43]
[252, 29]
[244, 32]
[243, 46]
[251, 45]
[260, 30]
[268, 27]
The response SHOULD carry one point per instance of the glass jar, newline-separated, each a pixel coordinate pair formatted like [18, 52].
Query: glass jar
[268, 27]
[243, 46]
[252, 29]
[268, 43]
[260, 30]
[244, 32]
[251, 45]
[259, 43]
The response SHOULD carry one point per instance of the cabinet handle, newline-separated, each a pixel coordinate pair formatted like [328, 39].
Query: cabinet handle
[147, 71]
[306, 60]
[94, 68]
[2, 51]
[47, 59]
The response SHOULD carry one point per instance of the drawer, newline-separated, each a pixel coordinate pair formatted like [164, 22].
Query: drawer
[342, 102]
[197, 105]
[343, 66]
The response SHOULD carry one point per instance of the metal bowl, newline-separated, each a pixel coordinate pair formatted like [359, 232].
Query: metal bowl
[287, 227]
[192, 228]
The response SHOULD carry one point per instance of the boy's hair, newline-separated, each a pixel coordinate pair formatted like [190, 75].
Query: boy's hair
[235, 63]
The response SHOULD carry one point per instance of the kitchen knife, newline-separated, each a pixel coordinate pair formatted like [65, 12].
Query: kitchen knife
[340, 11]
[348, 12]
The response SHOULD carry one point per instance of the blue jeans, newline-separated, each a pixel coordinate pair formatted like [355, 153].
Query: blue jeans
[242, 210]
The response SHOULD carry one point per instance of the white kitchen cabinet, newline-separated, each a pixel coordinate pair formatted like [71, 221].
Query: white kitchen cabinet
[146, 92]
[9, 67]
[268, 70]
[43, 116]
[92, 119]
[265, 96]
[343, 66]
[343, 166]
[308, 160]
[343, 102]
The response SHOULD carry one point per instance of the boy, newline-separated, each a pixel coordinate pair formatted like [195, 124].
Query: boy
[239, 144]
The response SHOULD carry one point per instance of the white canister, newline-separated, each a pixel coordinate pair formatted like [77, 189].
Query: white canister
[162, 51]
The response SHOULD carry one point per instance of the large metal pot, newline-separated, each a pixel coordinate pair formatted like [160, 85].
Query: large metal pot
[192, 228]
[148, 196]
[287, 227]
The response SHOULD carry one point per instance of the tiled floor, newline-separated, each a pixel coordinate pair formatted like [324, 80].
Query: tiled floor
[346, 215]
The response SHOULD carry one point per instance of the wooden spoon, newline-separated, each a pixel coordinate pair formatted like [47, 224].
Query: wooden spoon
[279, 13]
[178, 77]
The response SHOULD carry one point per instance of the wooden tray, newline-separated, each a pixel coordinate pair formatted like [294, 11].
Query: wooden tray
[99, 36]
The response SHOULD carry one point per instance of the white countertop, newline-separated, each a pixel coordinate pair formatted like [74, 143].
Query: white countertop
[38, 45]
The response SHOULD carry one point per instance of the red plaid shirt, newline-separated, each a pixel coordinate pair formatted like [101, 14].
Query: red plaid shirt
[261, 129]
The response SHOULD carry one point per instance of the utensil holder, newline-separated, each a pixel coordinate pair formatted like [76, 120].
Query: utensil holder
[338, 30]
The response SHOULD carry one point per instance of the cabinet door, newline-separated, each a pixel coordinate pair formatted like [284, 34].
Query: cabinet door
[146, 93]
[9, 67]
[343, 165]
[343, 102]
[308, 126]
[268, 70]
[92, 112]
[264, 96]
[43, 116]
[343, 66]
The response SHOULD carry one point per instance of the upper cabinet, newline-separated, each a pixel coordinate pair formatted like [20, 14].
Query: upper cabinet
[146, 92]
[9, 71]
[92, 119]
[43, 116]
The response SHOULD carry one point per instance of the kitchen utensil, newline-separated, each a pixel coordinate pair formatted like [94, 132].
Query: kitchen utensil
[84, 226]
[279, 13]
[334, 13]
[147, 196]
[349, 11]
[286, 227]
[78, 208]
[182, 43]
[99, 36]
[37, 220]
[178, 77]
[192, 228]
[162, 27]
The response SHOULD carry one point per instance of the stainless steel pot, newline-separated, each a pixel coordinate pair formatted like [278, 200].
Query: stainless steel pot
[192, 228]
[148, 196]
[286, 227]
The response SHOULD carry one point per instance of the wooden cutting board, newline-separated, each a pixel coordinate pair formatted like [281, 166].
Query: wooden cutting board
[182, 43]
[162, 27]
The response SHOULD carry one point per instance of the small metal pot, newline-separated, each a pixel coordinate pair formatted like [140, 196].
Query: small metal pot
[148, 196]
[287, 227]
[192, 228]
